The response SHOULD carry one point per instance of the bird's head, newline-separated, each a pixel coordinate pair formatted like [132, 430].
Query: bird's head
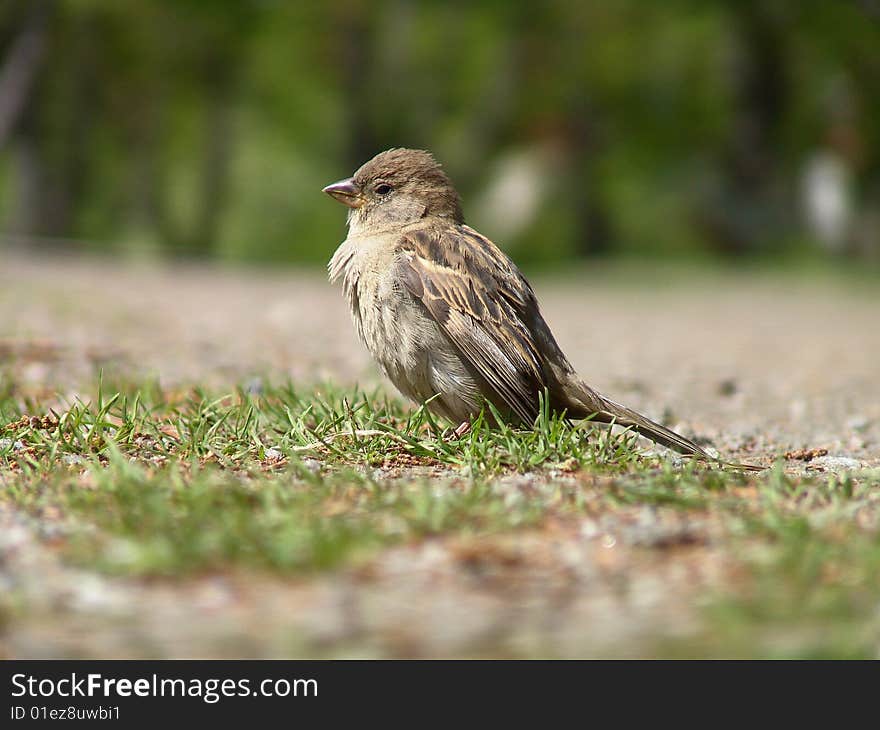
[397, 187]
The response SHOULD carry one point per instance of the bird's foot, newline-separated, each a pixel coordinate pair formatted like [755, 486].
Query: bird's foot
[463, 428]
[457, 432]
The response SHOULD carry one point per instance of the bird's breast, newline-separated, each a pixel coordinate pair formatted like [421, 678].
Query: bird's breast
[404, 340]
[384, 313]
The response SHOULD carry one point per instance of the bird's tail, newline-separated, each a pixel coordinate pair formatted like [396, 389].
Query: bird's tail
[621, 415]
[590, 403]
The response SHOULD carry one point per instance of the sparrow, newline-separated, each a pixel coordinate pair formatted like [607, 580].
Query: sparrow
[446, 314]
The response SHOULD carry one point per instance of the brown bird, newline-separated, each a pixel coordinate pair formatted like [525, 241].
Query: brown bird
[446, 314]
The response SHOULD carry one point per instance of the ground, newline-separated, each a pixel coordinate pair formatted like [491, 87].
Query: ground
[220, 506]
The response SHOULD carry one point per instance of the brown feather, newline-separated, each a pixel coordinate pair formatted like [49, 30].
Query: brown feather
[445, 312]
[460, 282]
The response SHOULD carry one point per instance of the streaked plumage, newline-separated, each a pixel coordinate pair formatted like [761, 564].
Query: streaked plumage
[446, 313]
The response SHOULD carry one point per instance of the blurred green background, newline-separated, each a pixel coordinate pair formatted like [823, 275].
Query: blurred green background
[206, 129]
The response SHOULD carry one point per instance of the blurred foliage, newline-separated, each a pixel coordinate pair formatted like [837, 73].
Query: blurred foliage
[180, 127]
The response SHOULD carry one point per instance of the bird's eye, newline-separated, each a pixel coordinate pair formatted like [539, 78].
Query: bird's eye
[383, 189]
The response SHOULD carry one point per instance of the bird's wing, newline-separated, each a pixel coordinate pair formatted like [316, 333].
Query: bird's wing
[479, 298]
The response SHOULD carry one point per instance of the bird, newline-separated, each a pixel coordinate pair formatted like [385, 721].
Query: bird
[449, 318]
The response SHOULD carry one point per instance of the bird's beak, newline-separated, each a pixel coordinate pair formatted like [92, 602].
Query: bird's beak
[346, 191]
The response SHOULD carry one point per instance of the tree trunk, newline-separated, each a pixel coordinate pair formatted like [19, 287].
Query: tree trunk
[20, 66]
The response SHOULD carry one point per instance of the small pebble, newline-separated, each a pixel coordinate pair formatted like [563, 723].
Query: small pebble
[728, 387]
[836, 463]
[273, 454]
[313, 465]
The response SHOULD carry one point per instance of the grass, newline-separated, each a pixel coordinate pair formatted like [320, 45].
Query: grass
[147, 483]
[164, 483]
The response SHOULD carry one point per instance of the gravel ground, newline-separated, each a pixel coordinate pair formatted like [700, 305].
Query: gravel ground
[757, 364]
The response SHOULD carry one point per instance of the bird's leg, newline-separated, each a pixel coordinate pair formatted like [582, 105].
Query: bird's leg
[462, 429]
[450, 434]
